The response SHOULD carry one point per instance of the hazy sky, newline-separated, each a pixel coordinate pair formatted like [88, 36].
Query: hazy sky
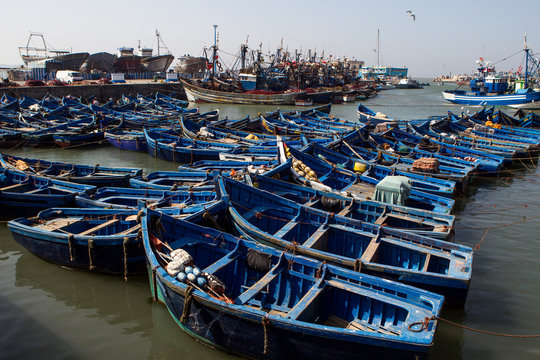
[447, 36]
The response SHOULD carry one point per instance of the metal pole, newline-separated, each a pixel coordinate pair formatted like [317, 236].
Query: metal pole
[215, 52]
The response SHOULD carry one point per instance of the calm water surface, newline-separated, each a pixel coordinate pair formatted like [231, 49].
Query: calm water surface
[47, 312]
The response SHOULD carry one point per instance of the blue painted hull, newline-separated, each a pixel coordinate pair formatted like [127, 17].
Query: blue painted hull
[461, 97]
[133, 142]
[14, 205]
[287, 311]
[113, 248]
[227, 331]
[106, 258]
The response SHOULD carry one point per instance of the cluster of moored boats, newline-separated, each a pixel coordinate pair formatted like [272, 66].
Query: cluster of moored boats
[289, 234]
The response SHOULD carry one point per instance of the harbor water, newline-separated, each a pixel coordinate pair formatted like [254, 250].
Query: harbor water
[48, 312]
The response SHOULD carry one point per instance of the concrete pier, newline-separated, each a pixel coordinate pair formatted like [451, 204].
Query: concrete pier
[101, 92]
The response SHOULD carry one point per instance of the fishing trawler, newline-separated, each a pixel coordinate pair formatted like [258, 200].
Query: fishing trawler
[65, 59]
[488, 88]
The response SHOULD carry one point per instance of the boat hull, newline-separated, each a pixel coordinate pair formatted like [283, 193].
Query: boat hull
[195, 93]
[514, 99]
[130, 142]
[158, 63]
[107, 257]
[211, 326]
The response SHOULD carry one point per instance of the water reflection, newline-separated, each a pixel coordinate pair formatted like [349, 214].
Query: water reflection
[110, 297]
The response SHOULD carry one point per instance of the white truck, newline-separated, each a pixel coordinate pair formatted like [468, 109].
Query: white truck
[68, 76]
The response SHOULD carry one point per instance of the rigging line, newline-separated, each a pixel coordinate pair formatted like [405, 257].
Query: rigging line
[496, 62]
[236, 56]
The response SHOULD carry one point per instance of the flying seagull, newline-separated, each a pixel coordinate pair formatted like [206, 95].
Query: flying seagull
[411, 14]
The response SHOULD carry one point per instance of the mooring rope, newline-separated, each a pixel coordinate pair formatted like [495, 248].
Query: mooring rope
[266, 324]
[70, 246]
[124, 248]
[90, 260]
[186, 311]
[425, 324]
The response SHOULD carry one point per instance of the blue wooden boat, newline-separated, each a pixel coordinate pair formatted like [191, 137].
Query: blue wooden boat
[99, 240]
[468, 127]
[371, 148]
[127, 198]
[404, 218]
[23, 194]
[9, 138]
[45, 136]
[288, 306]
[96, 175]
[198, 131]
[405, 143]
[370, 117]
[259, 166]
[288, 129]
[369, 171]
[328, 178]
[302, 125]
[126, 140]
[488, 146]
[175, 180]
[431, 264]
[459, 173]
[87, 239]
[187, 151]
[171, 99]
[515, 125]
[317, 121]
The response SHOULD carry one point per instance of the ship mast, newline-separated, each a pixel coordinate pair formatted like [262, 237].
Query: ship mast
[526, 49]
[157, 35]
[214, 52]
[378, 50]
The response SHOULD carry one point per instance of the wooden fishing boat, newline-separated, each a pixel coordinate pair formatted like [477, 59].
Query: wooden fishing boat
[127, 198]
[96, 175]
[488, 146]
[408, 144]
[9, 138]
[187, 151]
[23, 194]
[175, 180]
[371, 147]
[248, 166]
[277, 305]
[460, 173]
[469, 129]
[321, 175]
[404, 218]
[368, 116]
[197, 93]
[126, 140]
[431, 264]
[100, 240]
[86, 239]
[45, 135]
[370, 172]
